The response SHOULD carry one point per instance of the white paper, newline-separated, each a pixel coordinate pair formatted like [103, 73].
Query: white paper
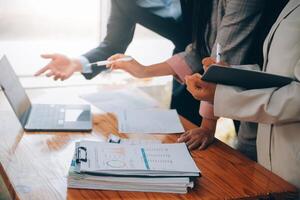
[160, 121]
[139, 142]
[119, 100]
[137, 159]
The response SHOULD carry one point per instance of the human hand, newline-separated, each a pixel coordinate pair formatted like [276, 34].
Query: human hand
[208, 61]
[132, 67]
[198, 138]
[60, 67]
[200, 90]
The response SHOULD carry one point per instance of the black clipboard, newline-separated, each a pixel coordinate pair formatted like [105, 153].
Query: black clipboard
[248, 79]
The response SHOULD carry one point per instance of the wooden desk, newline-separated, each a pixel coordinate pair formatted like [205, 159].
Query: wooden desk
[34, 165]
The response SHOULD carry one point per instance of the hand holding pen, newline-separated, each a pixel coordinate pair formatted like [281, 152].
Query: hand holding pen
[111, 61]
[208, 61]
[128, 64]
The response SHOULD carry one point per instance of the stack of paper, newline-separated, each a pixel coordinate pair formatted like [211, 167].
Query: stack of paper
[149, 168]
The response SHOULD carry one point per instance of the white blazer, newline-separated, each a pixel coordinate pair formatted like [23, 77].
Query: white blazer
[277, 110]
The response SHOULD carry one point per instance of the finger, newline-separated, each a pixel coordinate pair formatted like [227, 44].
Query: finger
[113, 66]
[191, 86]
[48, 56]
[194, 86]
[182, 138]
[194, 79]
[63, 77]
[186, 139]
[51, 73]
[117, 65]
[116, 56]
[199, 94]
[190, 80]
[193, 76]
[189, 141]
[196, 76]
[204, 144]
[41, 71]
[195, 144]
[58, 75]
[208, 61]
[121, 65]
[185, 134]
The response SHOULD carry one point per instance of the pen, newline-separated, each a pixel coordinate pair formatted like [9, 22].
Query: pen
[106, 62]
[218, 54]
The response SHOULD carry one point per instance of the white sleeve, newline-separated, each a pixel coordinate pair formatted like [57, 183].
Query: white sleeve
[270, 105]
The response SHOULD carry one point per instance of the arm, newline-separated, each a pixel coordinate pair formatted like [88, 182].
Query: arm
[178, 66]
[270, 106]
[120, 30]
[138, 70]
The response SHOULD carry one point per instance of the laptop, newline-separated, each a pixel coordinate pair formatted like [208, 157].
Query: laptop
[41, 117]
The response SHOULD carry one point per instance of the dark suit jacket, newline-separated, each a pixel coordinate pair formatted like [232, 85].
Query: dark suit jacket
[124, 16]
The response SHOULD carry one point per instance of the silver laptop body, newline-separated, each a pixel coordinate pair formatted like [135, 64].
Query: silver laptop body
[41, 117]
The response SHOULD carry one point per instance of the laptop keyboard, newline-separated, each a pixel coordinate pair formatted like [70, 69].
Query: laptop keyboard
[47, 116]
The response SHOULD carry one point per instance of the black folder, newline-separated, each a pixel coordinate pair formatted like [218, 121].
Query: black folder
[248, 79]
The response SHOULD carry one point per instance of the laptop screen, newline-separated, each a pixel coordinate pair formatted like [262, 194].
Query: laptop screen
[14, 91]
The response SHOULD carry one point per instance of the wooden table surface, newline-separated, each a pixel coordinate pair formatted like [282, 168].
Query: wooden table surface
[35, 165]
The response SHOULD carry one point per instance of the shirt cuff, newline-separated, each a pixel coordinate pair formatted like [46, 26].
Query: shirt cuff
[86, 67]
[180, 67]
[207, 110]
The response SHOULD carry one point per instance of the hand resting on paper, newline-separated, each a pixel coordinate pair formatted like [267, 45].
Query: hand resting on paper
[201, 137]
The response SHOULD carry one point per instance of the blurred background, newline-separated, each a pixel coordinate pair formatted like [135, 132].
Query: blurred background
[32, 27]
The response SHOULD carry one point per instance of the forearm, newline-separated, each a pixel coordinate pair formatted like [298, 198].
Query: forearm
[159, 69]
[269, 106]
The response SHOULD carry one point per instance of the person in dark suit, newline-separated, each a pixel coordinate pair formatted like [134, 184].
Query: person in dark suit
[171, 19]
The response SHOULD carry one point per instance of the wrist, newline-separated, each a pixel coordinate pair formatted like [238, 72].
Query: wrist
[209, 124]
[146, 71]
[77, 65]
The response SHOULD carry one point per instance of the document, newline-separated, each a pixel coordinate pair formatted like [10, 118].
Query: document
[119, 100]
[144, 160]
[159, 121]
[149, 168]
